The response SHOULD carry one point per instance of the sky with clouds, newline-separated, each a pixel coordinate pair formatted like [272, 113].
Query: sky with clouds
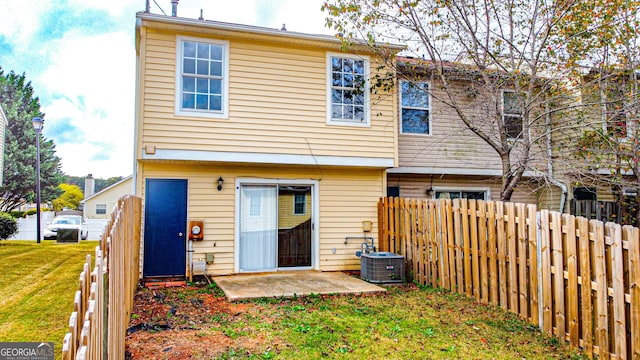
[79, 56]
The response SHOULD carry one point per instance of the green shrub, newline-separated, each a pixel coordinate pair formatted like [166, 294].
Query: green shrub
[33, 211]
[17, 214]
[8, 226]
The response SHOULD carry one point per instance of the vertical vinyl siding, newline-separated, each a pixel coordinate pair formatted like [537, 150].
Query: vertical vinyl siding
[346, 198]
[277, 104]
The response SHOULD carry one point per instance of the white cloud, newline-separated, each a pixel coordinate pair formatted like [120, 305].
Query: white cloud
[92, 80]
[21, 20]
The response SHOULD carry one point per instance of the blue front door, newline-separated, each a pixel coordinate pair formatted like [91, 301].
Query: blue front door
[165, 222]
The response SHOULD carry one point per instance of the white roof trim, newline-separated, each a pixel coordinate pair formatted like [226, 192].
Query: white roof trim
[107, 188]
[450, 171]
[218, 25]
[266, 158]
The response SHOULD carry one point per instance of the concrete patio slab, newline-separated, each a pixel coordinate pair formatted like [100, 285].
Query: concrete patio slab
[291, 283]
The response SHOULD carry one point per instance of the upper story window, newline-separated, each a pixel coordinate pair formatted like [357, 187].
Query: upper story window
[202, 77]
[512, 110]
[347, 90]
[616, 119]
[101, 209]
[299, 204]
[415, 108]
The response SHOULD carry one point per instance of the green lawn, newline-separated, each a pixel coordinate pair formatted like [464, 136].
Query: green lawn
[37, 284]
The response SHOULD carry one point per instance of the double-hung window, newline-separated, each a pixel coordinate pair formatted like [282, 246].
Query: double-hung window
[416, 108]
[348, 90]
[512, 105]
[202, 77]
[299, 204]
[101, 209]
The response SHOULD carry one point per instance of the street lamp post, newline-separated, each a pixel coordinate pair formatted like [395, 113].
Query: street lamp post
[38, 123]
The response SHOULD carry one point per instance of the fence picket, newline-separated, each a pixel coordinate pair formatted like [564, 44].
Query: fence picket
[617, 279]
[545, 268]
[601, 316]
[558, 275]
[572, 278]
[492, 254]
[482, 240]
[459, 246]
[502, 255]
[475, 273]
[512, 255]
[533, 264]
[585, 285]
[451, 245]
[633, 239]
[465, 211]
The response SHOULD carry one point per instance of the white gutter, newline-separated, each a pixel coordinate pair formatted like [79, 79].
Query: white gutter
[562, 186]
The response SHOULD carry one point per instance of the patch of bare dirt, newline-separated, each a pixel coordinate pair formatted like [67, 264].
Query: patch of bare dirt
[188, 323]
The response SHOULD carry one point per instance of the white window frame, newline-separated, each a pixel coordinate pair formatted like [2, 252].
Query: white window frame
[315, 217]
[224, 113]
[428, 94]
[486, 190]
[367, 116]
[505, 114]
[101, 207]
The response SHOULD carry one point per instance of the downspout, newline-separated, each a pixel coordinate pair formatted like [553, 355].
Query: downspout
[562, 186]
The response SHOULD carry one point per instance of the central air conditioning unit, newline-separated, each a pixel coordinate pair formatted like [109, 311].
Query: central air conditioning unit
[382, 267]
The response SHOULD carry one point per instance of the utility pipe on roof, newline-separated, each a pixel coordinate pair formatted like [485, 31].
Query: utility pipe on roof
[552, 179]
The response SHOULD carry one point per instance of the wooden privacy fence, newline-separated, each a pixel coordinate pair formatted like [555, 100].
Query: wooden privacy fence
[104, 300]
[577, 279]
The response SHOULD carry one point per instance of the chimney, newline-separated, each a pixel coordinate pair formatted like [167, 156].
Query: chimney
[89, 186]
[174, 7]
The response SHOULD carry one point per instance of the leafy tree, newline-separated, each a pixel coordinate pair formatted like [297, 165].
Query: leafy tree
[100, 183]
[8, 226]
[70, 198]
[609, 146]
[20, 106]
[472, 51]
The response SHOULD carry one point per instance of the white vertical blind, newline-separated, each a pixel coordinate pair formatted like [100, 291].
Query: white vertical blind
[258, 227]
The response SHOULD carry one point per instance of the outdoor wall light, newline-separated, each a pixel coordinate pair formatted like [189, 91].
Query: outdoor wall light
[220, 182]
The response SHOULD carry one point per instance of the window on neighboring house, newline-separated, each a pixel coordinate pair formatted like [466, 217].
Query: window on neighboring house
[462, 194]
[299, 204]
[393, 191]
[348, 90]
[616, 118]
[202, 77]
[512, 105]
[584, 193]
[416, 108]
[101, 209]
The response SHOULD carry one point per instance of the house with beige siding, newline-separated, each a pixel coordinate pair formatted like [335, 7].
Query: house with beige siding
[440, 157]
[256, 149]
[101, 204]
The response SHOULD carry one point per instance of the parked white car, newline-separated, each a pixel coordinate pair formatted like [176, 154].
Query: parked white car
[66, 222]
